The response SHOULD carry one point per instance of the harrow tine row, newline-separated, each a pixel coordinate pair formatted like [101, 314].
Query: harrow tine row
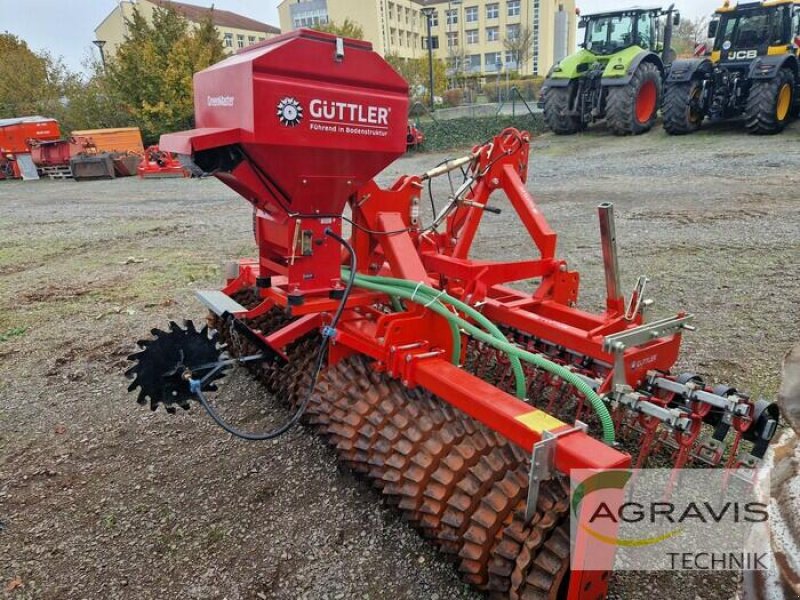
[651, 440]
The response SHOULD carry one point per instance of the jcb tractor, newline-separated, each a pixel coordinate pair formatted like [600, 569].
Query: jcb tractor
[752, 71]
[617, 75]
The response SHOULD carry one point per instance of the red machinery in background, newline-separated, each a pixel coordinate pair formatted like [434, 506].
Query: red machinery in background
[466, 401]
[157, 163]
[15, 141]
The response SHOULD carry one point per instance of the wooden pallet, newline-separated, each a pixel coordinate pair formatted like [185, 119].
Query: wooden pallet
[59, 172]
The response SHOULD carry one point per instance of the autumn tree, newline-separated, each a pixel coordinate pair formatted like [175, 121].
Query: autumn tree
[347, 29]
[30, 83]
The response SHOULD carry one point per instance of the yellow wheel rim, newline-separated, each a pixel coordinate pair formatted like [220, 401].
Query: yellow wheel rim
[784, 101]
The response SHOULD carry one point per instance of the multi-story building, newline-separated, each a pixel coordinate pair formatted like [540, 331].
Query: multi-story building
[236, 31]
[476, 37]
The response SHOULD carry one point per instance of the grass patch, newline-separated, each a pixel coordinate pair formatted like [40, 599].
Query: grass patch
[14, 332]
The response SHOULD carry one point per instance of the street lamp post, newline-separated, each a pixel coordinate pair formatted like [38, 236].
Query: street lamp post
[100, 45]
[428, 12]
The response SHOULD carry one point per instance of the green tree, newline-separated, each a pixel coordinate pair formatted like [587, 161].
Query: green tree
[348, 29]
[30, 83]
[91, 103]
[151, 72]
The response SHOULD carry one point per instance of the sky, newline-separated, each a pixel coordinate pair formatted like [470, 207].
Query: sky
[66, 27]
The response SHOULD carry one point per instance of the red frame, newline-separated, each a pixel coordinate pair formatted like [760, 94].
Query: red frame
[416, 347]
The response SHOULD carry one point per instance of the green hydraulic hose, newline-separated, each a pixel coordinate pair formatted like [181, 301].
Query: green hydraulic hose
[422, 294]
[437, 307]
[420, 297]
[430, 293]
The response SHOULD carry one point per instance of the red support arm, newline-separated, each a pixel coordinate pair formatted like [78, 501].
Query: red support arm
[534, 221]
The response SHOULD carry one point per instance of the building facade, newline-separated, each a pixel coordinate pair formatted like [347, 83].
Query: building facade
[235, 31]
[475, 37]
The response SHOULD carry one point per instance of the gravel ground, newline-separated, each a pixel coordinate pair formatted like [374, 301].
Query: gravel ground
[100, 498]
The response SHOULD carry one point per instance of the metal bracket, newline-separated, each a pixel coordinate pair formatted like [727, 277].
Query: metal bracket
[637, 299]
[617, 343]
[638, 336]
[543, 466]
[339, 56]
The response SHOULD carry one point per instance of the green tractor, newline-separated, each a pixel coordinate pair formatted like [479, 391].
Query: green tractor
[617, 75]
[753, 71]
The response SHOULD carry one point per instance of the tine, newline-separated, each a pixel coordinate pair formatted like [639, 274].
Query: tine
[189, 324]
[173, 326]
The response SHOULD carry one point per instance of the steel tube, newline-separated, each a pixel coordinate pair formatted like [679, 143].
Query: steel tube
[608, 240]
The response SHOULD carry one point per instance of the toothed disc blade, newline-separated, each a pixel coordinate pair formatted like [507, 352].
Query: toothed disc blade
[158, 369]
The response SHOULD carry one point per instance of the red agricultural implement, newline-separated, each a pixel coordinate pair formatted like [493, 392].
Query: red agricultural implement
[16, 136]
[157, 163]
[466, 401]
[414, 136]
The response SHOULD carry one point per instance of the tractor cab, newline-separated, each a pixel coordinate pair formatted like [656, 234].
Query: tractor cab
[610, 32]
[746, 31]
[753, 71]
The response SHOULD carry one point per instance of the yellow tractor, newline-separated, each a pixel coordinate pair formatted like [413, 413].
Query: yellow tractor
[752, 71]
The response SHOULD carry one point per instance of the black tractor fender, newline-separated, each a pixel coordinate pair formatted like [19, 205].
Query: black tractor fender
[767, 67]
[645, 56]
[687, 69]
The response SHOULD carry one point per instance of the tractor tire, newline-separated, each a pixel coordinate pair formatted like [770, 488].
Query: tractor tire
[556, 104]
[679, 116]
[769, 105]
[632, 109]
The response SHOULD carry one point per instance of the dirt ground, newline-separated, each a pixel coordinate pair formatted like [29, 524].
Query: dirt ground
[100, 498]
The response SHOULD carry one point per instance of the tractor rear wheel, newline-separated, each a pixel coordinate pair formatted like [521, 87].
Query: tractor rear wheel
[632, 109]
[557, 101]
[769, 105]
[682, 114]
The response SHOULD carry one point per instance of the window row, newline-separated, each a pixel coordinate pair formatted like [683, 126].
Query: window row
[471, 13]
[402, 38]
[473, 36]
[491, 62]
[227, 40]
[310, 18]
[402, 13]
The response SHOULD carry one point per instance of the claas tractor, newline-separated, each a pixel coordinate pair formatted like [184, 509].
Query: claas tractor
[617, 75]
[467, 397]
[752, 71]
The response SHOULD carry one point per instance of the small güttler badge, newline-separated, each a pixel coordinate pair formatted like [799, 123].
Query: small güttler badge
[290, 112]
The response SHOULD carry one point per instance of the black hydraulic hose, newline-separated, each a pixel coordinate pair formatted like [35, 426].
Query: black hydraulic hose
[327, 332]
